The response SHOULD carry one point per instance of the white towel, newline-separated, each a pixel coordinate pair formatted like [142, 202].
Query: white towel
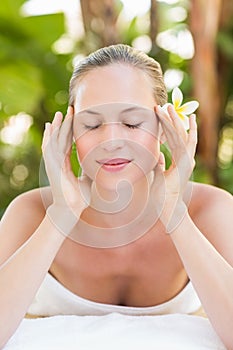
[116, 332]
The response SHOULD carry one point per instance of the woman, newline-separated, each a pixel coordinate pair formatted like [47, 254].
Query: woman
[163, 233]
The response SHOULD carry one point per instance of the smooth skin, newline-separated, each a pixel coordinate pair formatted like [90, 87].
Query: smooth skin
[145, 272]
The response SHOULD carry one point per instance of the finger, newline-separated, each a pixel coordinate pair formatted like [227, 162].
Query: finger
[65, 134]
[158, 110]
[67, 161]
[55, 127]
[187, 161]
[179, 152]
[172, 136]
[64, 142]
[57, 120]
[46, 136]
[173, 122]
[84, 177]
[65, 137]
[86, 181]
[82, 172]
[177, 122]
[160, 166]
[161, 162]
[85, 185]
[70, 111]
[192, 136]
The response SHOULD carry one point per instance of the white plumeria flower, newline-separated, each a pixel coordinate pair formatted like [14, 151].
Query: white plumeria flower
[182, 110]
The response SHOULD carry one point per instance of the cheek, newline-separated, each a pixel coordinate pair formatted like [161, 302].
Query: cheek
[148, 144]
[146, 151]
[86, 153]
[84, 145]
[152, 144]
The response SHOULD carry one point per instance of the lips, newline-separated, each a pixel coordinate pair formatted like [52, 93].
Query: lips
[115, 161]
[114, 165]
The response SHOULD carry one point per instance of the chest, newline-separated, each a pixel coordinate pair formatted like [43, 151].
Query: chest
[143, 273]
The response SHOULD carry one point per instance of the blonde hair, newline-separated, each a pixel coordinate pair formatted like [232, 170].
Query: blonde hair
[124, 54]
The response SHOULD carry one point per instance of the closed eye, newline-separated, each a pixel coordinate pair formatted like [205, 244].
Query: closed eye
[133, 126]
[130, 126]
[91, 127]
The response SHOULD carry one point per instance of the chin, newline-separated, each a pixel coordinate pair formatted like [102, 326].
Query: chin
[116, 182]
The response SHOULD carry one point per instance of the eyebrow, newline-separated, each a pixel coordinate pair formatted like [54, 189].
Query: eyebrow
[89, 111]
[130, 109]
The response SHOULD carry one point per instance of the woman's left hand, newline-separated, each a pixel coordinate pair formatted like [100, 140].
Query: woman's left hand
[169, 185]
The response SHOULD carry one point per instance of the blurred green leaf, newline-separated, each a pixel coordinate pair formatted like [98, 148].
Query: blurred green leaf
[20, 87]
[45, 29]
[11, 8]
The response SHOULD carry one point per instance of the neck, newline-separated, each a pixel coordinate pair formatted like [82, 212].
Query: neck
[111, 208]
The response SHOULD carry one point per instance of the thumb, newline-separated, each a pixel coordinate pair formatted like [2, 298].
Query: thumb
[159, 169]
[84, 177]
[161, 162]
[85, 183]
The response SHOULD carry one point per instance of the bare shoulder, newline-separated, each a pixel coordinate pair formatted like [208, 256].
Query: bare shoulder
[208, 196]
[21, 219]
[212, 214]
[36, 200]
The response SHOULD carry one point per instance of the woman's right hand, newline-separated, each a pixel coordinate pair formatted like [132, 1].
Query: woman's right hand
[71, 195]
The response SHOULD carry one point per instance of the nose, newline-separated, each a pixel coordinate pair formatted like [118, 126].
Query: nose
[113, 138]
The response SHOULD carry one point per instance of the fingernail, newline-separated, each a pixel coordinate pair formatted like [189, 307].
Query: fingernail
[69, 109]
[57, 114]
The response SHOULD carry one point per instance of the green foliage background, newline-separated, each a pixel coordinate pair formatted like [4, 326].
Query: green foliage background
[34, 79]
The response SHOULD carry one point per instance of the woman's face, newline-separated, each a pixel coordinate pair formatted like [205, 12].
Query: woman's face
[115, 128]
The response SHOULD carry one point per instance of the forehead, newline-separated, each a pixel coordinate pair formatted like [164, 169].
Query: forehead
[116, 83]
[116, 109]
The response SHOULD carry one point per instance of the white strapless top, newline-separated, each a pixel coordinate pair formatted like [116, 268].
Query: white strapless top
[53, 299]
